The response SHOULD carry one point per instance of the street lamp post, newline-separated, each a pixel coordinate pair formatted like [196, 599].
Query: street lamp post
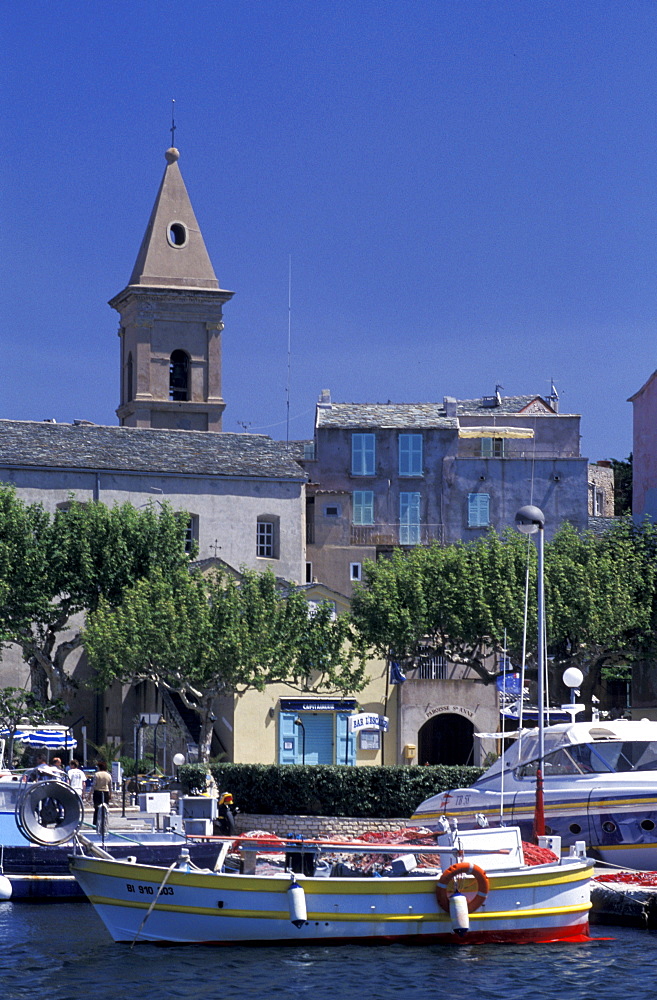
[298, 722]
[530, 520]
[160, 722]
[178, 761]
[572, 678]
[139, 731]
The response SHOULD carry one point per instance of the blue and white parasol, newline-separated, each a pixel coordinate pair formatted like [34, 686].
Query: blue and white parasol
[48, 737]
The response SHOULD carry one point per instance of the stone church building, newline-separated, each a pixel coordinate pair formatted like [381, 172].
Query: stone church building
[245, 499]
[244, 494]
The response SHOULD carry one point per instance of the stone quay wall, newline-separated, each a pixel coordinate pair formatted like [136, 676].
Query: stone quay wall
[315, 827]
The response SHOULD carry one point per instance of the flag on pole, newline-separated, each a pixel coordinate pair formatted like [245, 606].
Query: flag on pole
[397, 676]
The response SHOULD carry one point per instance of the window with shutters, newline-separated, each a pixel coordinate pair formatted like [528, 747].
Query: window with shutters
[410, 454]
[409, 518]
[478, 510]
[363, 507]
[363, 456]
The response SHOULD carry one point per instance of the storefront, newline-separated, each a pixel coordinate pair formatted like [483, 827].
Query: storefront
[316, 731]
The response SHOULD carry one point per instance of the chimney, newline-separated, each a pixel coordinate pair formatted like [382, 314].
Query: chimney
[553, 398]
[449, 402]
[325, 399]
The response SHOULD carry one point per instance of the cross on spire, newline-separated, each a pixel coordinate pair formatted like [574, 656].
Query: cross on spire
[173, 121]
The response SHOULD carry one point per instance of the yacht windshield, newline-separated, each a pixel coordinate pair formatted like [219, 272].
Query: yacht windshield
[632, 755]
[605, 757]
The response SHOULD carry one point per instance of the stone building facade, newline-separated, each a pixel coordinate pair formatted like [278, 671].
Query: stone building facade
[405, 474]
[601, 489]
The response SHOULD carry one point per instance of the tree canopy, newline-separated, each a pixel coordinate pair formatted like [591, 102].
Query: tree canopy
[55, 566]
[203, 637]
[622, 485]
[462, 600]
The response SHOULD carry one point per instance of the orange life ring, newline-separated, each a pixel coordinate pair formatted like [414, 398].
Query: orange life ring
[463, 868]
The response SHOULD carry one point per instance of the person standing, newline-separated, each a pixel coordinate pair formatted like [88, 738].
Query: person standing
[60, 773]
[76, 777]
[102, 788]
[42, 771]
[226, 815]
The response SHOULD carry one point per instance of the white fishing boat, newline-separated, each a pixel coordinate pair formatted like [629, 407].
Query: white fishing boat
[599, 786]
[482, 892]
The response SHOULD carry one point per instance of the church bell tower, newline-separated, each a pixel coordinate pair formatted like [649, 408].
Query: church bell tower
[171, 320]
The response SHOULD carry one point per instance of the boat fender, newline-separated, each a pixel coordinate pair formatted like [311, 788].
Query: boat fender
[296, 901]
[5, 888]
[458, 913]
[462, 868]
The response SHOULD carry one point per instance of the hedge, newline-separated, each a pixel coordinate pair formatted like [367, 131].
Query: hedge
[329, 790]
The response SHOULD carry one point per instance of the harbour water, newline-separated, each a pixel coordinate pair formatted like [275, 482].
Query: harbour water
[62, 952]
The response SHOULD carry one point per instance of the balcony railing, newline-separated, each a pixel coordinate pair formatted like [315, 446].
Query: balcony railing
[396, 534]
[528, 453]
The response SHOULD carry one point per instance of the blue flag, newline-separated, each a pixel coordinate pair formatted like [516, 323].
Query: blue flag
[397, 676]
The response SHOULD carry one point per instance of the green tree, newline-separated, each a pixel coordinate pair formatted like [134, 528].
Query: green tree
[622, 485]
[453, 600]
[55, 567]
[204, 637]
[601, 597]
[466, 601]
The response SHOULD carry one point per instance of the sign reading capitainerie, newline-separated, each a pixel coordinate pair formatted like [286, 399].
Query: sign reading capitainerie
[325, 705]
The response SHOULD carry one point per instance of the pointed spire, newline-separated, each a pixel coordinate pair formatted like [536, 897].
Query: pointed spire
[173, 253]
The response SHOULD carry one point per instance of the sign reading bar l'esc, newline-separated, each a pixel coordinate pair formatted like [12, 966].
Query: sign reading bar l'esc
[367, 720]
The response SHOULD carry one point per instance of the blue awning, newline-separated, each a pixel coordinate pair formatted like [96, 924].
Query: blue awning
[49, 737]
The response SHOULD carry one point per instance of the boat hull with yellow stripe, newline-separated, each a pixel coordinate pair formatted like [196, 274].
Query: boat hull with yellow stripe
[543, 903]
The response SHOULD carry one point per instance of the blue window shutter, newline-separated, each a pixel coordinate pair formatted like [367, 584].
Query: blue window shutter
[410, 454]
[409, 518]
[288, 733]
[363, 507]
[346, 741]
[363, 457]
[478, 510]
[416, 454]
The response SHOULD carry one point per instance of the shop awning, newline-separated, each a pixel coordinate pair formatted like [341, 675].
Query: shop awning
[496, 432]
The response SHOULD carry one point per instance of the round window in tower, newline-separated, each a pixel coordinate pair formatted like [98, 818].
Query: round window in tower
[177, 234]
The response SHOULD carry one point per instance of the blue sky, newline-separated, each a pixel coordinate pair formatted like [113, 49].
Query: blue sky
[467, 191]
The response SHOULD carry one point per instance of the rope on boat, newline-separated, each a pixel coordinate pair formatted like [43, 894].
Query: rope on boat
[152, 906]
